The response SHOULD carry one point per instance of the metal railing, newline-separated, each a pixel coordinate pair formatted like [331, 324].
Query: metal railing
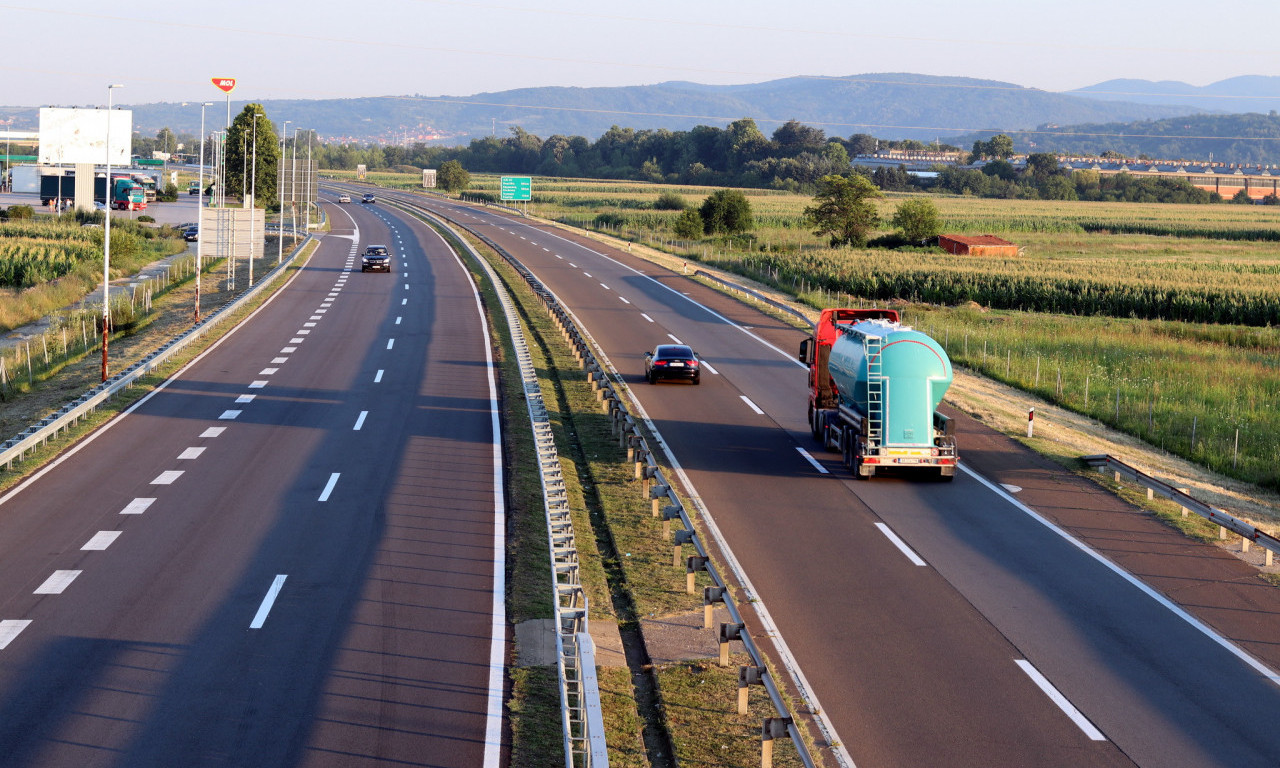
[667, 505]
[1225, 522]
[581, 717]
[15, 448]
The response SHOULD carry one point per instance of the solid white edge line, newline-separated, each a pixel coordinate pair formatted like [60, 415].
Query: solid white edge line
[1177, 610]
[10, 629]
[1056, 697]
[751, 405]
[809, 457]
[328, 487]
[900, 544]
[360, 421]
[498, 619]
[269, 600]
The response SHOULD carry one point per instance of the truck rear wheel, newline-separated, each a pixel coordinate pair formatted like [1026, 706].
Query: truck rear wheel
[815, 423]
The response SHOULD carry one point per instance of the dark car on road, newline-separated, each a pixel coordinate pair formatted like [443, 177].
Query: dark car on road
[376, 257]
[672, 361]
[368, 198]
[191, 234]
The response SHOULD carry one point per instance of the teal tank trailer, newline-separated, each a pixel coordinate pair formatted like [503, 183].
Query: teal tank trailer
[874, 390]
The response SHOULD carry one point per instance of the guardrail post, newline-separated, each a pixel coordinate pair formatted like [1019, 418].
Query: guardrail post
[1268, 557]
[774, 728]
[710, 596]
[686, 537]
[692, 565]
[669, 513]
[1244, 544]
[748, 676]
[1222, 533]
[658, 493]
[728, 633]
[1184, 509]
[634, 441]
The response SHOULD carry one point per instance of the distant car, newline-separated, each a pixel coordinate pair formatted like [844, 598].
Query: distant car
[344, 198]
[376, 257]
[191, 234]
[368, 198]
[672, 361]
[193, 188]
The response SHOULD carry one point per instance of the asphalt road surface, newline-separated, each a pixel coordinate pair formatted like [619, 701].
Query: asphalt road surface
[289, 556]
[935, 624]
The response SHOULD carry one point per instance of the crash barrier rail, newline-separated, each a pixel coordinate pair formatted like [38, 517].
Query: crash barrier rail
[14, 449]
[667, 506]
[582, 722]
[778, 305]
[1225, 522]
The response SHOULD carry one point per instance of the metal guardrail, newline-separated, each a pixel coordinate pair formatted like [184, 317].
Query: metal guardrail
[667, 505]
[581, 717]
[753, 294]
[1225, 522]
[36, 435]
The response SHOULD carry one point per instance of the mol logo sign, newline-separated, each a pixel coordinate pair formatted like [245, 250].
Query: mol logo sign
[225, 84]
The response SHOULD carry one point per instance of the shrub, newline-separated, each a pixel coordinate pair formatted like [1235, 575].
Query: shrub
[670, 201]
[168, 193]
[610, 220]
[688, 225]
[17, 212]
[145, 219]
[726, 211]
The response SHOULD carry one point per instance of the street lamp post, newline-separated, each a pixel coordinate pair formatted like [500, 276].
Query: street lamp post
[200, 233]
[310, 177]
[284, 130]
[253, 195]
[106, 242]
[293, 184]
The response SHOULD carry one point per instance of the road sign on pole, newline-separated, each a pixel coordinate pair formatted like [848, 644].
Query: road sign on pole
[225, 84]
[516, 188]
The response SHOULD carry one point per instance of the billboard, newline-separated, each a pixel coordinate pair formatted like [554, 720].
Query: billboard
[80, 135]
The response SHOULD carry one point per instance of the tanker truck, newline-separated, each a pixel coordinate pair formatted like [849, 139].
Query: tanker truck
[874, 389]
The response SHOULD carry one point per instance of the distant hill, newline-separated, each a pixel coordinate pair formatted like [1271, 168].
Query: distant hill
[1248, 93]
[889, 106]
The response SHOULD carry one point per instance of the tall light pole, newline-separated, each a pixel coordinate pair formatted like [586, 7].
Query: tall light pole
[200, 233]
[253, 194]
[293, 185]
[106, 242]
[310, 176]
[284, 130]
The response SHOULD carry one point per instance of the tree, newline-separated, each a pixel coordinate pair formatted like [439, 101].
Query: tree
[240, 156]
[452, 177]
[844, 209]
[1042, 165]
[688, 224]
[726, 211]
[918, 219]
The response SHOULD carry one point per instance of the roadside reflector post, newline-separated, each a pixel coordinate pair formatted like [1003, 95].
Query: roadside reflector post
[710, 596]
[774, 728]
[682, 537]
[658, 493]
[728, 633]
[692, 565]
[748, 676]
[669, 513]
[1031, 422]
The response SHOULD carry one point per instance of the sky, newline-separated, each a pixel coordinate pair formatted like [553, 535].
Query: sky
[66, 53]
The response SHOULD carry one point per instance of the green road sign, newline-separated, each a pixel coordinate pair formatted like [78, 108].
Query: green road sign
[517, 188]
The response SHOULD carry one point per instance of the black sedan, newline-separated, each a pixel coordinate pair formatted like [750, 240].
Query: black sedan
[672, 361]
[375, 258]
[368, 198]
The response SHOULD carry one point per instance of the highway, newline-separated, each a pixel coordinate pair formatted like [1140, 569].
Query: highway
[291, 555]
[934, 624]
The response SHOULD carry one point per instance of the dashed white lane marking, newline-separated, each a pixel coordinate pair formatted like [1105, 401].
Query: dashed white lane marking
[558, 256]
[328, 487]
[403, 302]
[241, 400]
[308, 325]
[10, 629]
[167, 477]
[406, 286]
[318, 313]
[624, 301]
[545, 248]
[1011, 488]
[295, 341]
[213, 431]
[406, 274]
[809, 458]
[303, 333]
[1056, 697]
[575, 266]
[228, 415]
[101, 540]
[59, 581]
[259, 384]
[137, 506]
[377, 377]
[268, 371]
[288, 350]
[269, 600]
[751, 405]
[391, 343]
[398, 320]
[315, 317]
[360, 421]
[588, 274]
[646, 317]
[602, 285]
[191, 453]
[707, 365]
[673, 338]
[900, 544]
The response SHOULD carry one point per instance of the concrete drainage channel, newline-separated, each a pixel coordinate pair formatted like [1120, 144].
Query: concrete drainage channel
[666, 505]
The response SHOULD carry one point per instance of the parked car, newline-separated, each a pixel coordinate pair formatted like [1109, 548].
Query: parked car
[376, 257]
[191, 234]
[672, 361]
[368, 198]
